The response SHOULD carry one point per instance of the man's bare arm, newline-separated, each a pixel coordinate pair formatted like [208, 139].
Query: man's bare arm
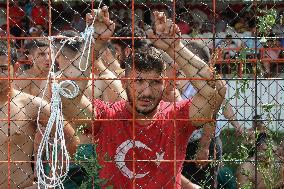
[211, 91]
[187, 184]
[106, 86]
[104, 29]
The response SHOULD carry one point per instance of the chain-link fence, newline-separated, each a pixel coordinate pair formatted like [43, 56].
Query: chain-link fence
[171, 94]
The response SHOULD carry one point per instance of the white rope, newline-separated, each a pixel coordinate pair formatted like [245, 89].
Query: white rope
[60, 169]
[57, 146]
[87, 36]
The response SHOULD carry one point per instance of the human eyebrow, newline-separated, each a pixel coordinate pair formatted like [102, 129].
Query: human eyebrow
[139, 79]
[4, 66]
[42, 53]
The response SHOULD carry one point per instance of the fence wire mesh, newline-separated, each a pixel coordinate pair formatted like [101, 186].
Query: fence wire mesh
[175, 94]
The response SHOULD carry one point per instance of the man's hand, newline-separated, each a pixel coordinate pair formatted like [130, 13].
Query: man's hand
[240, 130]
[104, 27]
[166, 34]
[202, 154]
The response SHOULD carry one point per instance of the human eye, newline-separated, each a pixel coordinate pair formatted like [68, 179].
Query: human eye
[139, 80]
[156, 82]
[3, 69]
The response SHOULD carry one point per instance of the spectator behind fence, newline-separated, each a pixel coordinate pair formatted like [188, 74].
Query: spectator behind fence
[28, 7]
[222, 22]
[183, 23]
[241, 25]
[39, 15]
[252, 43]
[152, 143]
[24, 111]
[198, 141]
[270, 54]
[228, 46]
[125, 21]
[258, 127]
[15, 20]
[38, 53]
[246, 173]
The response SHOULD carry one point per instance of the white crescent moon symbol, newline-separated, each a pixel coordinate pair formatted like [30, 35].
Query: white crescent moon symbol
[121, 152]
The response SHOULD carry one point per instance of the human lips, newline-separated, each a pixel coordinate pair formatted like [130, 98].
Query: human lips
[145, 101]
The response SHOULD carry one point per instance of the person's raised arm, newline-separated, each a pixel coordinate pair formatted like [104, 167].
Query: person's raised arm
[79, 107]
[103, 29]
[210, 91]
[106, 86]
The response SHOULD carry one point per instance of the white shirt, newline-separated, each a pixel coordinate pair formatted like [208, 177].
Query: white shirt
[196, 135]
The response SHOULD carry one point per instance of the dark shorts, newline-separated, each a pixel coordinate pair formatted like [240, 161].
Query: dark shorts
[205, 177]
[77, 174]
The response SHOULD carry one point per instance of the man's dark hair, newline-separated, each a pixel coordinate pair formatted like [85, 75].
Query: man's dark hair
[145, 60]
[127, 32]
[73, 45]
[4, 51]
[229, 36]
[34, 44]
[199, 49]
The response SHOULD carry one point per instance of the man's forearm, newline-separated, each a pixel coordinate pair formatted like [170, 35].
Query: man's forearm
[79, 105]
[187, 184]
[195, 69]
[208, 134]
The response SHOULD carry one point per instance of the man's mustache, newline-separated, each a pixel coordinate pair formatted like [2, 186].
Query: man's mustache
[150, 98]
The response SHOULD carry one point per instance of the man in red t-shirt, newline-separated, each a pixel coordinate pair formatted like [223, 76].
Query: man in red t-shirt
[141, 142]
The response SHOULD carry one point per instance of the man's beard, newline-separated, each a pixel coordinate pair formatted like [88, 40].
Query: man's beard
[143, 112]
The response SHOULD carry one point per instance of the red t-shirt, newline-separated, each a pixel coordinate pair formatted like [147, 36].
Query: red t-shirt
[39, 16]
[184, 27]
[16, 15]
[155, 141]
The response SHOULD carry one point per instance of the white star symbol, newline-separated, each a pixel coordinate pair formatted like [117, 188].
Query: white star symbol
[159, 158]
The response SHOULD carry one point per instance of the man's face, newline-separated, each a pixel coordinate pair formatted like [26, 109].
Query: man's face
[41, 58]
[67, 56]
[145, 91]
[3, 70]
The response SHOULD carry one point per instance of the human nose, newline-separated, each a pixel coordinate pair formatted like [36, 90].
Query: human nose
[146, 89]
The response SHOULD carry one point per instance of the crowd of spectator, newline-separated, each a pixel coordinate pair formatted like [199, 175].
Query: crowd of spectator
[34, 23]
[233, 33]
[26, 18]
